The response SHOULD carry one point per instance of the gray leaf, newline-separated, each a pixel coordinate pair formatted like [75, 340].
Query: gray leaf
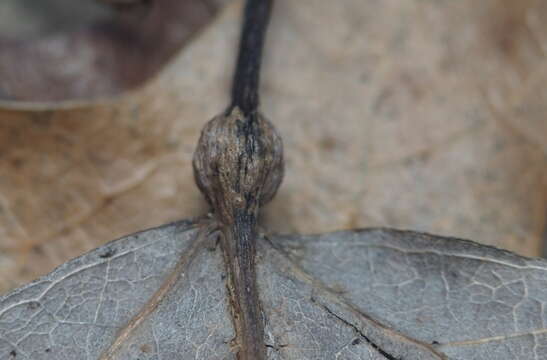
[370, 294]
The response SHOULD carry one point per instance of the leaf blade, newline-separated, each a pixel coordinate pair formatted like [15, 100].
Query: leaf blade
[452, 293]
[323, 296]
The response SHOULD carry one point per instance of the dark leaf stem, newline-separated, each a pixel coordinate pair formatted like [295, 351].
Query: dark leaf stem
[247, 74]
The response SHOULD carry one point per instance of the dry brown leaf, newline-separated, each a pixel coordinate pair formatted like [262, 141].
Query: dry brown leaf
[424, 115]
[60, 50]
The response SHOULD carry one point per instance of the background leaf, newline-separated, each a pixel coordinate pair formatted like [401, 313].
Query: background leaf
[56, 51]
[368, 294]
[425, 115]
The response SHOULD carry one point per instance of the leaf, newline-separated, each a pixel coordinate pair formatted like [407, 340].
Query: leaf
[59, 51]
[366, 294]
[413, 115]
[465, 300]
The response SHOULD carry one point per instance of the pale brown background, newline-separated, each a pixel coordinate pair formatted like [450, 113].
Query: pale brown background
[425, 114]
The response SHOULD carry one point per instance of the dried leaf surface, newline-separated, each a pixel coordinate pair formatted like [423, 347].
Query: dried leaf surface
[423, 115]
[64, 51]
[368, 294]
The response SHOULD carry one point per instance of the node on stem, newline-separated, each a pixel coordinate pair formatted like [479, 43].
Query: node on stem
[238, 163]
